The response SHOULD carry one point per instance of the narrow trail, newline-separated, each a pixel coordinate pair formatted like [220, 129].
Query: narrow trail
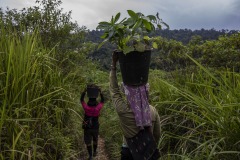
[102, 154]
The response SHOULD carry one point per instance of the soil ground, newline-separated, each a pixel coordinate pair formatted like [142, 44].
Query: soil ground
[102, 154]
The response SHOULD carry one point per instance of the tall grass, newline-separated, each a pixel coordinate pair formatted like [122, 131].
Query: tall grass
[34, 100]
[200, 115]
[199, 112]
[110, 131]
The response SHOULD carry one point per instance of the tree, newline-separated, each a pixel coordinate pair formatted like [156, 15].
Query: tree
[54, 26]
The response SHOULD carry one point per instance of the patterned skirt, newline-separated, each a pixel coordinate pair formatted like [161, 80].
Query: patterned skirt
[143, 146]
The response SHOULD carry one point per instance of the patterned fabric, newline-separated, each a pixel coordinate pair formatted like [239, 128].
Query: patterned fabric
[143, 146]
[138, 100]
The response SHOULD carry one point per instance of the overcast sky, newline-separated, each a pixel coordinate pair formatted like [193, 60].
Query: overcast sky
[179, 14]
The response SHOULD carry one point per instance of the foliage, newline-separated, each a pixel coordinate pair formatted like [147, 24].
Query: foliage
[185, 35]
[54, 25]
[225, 52]
[170, 55]
[198, 114]
[43, 68]
[110, 131]
[130, 33]
[35, 101]
[221, 53]
[40, 89]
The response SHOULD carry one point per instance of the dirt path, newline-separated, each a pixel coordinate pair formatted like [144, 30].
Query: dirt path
[102, 154]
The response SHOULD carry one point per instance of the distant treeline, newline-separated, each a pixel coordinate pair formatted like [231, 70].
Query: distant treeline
[181, 35]
[210, 47]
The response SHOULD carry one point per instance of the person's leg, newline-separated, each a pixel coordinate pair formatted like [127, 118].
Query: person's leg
[126, 154]
[88, 142]
[94, 149]
[89, 148]
[95, 141]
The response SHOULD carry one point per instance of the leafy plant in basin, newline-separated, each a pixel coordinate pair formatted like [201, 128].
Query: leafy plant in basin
[130, 34]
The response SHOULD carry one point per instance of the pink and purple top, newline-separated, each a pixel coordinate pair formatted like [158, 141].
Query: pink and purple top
[92, 111]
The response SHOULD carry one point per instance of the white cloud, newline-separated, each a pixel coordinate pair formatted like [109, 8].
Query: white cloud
[17, 4]
[191, 14]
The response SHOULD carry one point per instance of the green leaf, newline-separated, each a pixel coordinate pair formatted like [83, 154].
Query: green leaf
[139, 30]
[152, 18]
[103, 42]
[112, 20]
[103, 25]
[146, 38]
[146, 18]
[130, 30]
[127, 49]
[121, 26]
[122, 21]
[132, 14]
[117, 17]
[138, 24]
[153, 27]
[129, 22]
[157, 15]
[136, 37]
[120, 32]
[147, 25]
[111, 34]
[155, 45]
[105, 35]
[166, 25]
[159, 26]
[140, 47]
